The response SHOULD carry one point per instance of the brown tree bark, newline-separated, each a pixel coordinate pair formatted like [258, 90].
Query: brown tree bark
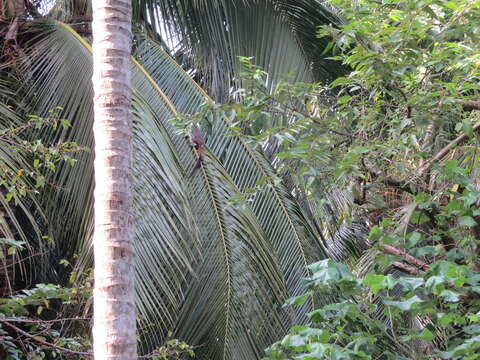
[114, 307]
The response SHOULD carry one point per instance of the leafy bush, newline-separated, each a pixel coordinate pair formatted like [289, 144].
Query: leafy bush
[408, 115]
[28, 324]
[24, 334]
[387, 316]
[43, 156]
[426, 310]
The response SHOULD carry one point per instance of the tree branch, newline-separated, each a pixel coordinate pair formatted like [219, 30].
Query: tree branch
[389, 249]
[78, 19]
[407, 268]
[45, 321]
[469, 105]
[376, 174]
[402, 185]
[442, 153]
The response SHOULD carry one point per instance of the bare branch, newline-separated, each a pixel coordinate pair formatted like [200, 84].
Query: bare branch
[469, 105]
[407, 268]
[45, 321]
[389, 249]
[445, 150]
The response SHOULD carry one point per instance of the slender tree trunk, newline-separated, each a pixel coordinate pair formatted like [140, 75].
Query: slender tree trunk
[114, 308]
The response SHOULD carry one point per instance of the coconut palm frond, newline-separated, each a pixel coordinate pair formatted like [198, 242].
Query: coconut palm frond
[281, 36]
[196, 250]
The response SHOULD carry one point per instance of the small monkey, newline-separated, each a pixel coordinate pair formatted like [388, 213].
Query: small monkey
[198, 143]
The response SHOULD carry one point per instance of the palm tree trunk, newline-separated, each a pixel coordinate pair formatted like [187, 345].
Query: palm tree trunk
[114, 307]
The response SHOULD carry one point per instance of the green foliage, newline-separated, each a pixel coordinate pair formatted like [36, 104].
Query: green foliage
[43, 157]
[398, 135]
[373, 315]
[412, 79]
[31, 323]
[25, 332]
[199, 256]
[10, 246]
[356, 136]
[409, 102]
[415, 66]
[171, 350]
[383, 315]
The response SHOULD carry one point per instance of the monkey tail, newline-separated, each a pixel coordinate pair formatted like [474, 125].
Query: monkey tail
[198, 165]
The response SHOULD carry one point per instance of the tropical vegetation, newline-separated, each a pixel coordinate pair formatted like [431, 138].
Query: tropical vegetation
[344, 136]
[189, 237]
